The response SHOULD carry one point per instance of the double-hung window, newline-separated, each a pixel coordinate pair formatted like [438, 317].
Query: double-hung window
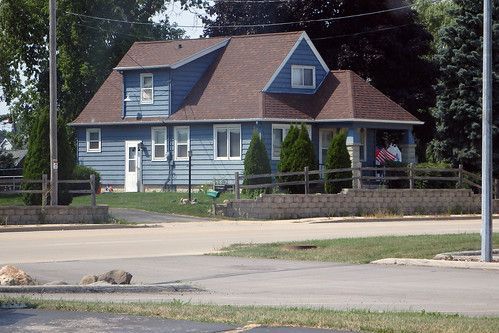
[362, 147]
[181, 134]
[227, 142]
[158, 135]
[303, 77]
[146, 89]
[279, 133]
[93, 140]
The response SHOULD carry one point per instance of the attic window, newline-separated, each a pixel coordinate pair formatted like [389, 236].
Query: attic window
[303, 77]
[146, 89]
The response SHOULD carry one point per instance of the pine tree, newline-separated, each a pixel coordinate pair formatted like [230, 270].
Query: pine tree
[337, 158]
[287, 149]
[37, 160]
[459, 100]
[256, 162]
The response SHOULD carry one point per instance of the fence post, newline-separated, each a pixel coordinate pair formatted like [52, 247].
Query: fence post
[307, 185]
[460, 176]
[44, 190]
[236, 186]
[92, 189]
[357, 175]
[411, 176]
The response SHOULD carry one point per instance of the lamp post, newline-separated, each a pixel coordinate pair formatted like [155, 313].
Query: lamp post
[54, 164]
[487, 134]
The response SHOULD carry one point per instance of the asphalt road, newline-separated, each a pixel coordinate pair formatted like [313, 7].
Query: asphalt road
[27, 320]
[242, 281]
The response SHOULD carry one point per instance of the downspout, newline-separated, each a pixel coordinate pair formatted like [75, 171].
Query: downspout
[123, 103]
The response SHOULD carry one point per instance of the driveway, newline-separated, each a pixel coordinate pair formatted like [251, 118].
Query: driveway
[27, 320]
[241, 281]
[142, 216]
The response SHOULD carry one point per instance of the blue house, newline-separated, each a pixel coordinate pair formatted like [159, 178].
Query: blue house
[207, 96]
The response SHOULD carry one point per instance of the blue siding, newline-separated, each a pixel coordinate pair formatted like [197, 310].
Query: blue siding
[161, 99]
[303, 55]
[185, 77]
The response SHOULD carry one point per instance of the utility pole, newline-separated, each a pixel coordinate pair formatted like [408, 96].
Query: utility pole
[487, 134]
[54, 164]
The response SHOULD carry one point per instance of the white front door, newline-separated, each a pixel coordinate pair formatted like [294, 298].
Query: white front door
[132, 166]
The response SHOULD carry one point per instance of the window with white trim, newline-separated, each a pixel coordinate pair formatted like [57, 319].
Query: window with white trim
[158, 138]
[182, 142]
[303, 77]
[93, 140]
[363, 144]
[146, 89]
[279, 132]
[227, 142]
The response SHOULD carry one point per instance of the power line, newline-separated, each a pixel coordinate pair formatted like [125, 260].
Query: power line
[245, 25]
[365, 32]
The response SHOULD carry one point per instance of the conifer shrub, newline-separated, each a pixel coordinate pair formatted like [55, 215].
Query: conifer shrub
[337, 158]
[256, 162]
[82, 172]
[37, 160]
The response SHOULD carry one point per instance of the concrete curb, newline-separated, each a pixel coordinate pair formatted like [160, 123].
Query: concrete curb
[62, 227]
[395, 219]
[438, 263]
[76, 289]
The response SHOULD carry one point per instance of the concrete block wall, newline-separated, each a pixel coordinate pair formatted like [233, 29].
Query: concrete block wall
[356, 202]
[19, 215]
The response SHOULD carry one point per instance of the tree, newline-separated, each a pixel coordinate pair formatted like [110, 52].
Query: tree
[88, 49]
[37, 160]
[337, 158]
[296, 155]
[6, 160]
[435, 15]
[256, 162]
[459, 102]
[391, 50]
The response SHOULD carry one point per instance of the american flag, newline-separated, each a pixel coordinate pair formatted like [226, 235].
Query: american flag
[383, 155]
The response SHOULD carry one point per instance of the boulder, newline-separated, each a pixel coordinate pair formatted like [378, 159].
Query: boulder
[88, 279]
[116, 276]
[13, 276]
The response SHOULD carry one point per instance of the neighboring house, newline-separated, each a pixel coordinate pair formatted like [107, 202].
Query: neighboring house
[5, 144]
[207, 96]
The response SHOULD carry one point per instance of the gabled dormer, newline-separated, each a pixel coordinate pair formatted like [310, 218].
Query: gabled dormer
[301, 72]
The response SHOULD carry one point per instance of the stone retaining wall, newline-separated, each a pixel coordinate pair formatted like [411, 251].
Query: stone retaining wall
[356, 202]
[16, 215]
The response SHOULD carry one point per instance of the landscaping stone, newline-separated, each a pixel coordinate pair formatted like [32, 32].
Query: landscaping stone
[13, 276]
[116, 276]
[88, 279]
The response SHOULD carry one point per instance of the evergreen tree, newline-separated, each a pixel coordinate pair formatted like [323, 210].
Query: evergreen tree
[287, 149]
[256, 162]
[37, 160]
[337, 158]
[459, 102]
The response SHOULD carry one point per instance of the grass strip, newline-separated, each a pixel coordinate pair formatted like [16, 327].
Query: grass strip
[354, 320]
[360, 250]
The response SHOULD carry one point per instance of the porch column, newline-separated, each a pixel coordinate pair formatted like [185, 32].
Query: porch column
[408, 148]
[353, 147]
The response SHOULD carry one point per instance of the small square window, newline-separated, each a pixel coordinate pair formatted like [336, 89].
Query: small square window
[227, 142]
[93, 140]
[303, 77]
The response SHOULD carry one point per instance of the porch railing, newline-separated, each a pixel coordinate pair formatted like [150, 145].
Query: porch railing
[362, 177]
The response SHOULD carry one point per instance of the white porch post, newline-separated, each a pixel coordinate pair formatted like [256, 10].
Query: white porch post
[408, 148]
[353, 147]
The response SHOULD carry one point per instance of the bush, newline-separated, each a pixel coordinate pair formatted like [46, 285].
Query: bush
[429, 184]
[256, 162]
[83, 173]
[337, 158]
[297, 152]
[37, 160]
[397, 184]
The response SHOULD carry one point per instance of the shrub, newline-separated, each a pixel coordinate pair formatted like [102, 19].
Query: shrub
[396, 183]
[37, 160]
[256, 162]
[83, 173]
[337, 158]
[424, 169]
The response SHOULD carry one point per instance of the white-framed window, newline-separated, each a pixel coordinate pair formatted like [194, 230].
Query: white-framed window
[279, 132]
[146, 89]
[158, 140]
[182, 143]
[227, 139]
[94, 140]
[326, 135]
[363, 144]
[303, 77]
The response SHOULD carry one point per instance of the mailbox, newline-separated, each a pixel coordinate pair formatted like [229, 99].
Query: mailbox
[213, 194]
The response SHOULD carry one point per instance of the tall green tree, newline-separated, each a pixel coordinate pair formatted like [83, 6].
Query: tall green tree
[435, 15]
[256, 162]
[390, 49]
[337, 158]
[88, 49]
[459, 102]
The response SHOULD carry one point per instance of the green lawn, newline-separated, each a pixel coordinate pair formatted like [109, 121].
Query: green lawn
[360, 250]
[354, 320]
